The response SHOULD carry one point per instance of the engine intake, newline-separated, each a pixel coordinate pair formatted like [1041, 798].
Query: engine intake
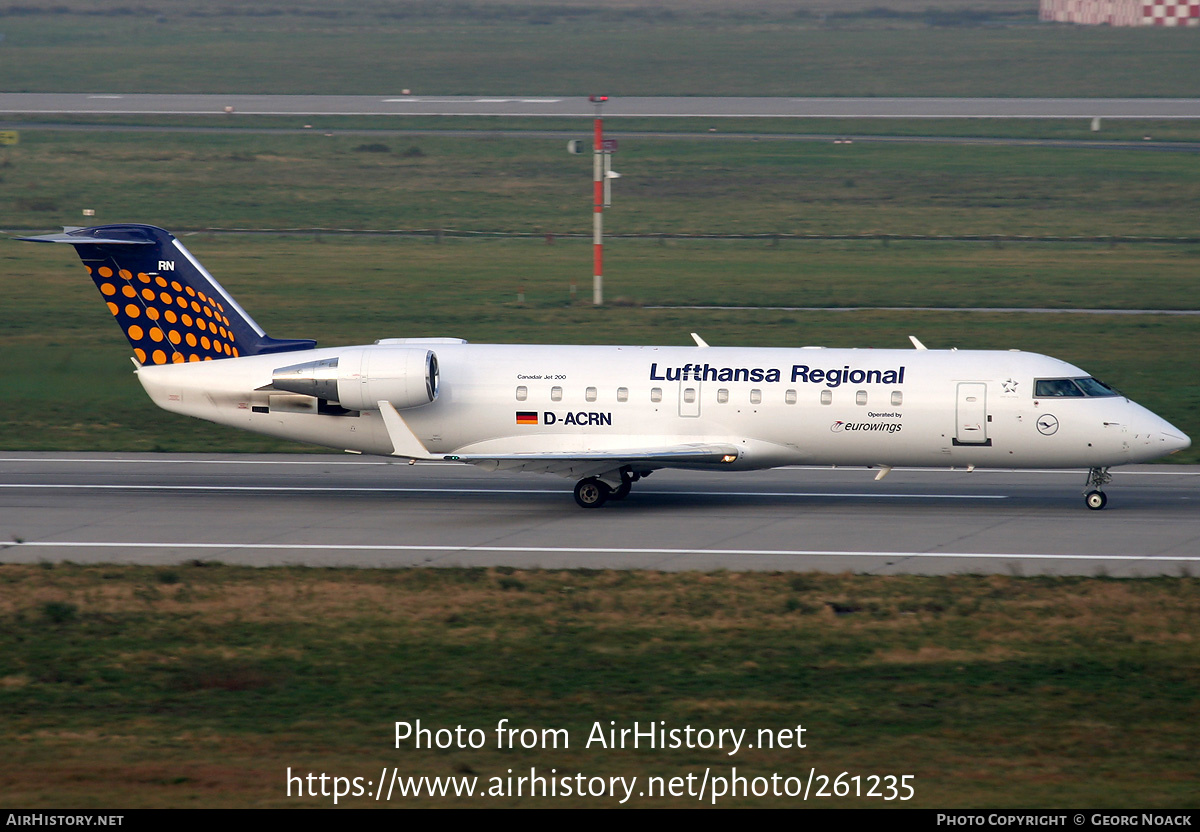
[358, 379]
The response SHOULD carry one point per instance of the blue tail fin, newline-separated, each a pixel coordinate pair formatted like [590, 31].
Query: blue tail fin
[168, 305]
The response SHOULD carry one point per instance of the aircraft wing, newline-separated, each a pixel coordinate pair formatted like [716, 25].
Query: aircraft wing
[573, 464]
[577, 464]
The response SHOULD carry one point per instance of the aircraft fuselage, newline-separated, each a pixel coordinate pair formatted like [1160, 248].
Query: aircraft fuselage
[604, 416]
[777, 406]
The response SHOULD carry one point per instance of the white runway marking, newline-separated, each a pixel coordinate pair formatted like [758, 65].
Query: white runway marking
[1025, 310]
[410, 100]
[582, 550]
[403, 490]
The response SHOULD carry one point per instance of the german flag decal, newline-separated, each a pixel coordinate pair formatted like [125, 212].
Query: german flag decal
[528, 417]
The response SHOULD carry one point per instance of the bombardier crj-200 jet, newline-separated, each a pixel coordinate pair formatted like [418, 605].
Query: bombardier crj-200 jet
[605, 416]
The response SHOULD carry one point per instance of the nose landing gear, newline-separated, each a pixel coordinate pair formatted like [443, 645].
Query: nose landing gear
[1093, 496]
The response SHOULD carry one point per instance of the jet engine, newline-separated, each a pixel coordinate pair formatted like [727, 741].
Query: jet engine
[360, 378]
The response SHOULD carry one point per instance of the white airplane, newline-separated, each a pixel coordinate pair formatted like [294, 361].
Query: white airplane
[605, 416]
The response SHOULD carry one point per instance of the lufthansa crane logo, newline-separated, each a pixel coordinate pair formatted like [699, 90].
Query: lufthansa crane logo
[1047, 424]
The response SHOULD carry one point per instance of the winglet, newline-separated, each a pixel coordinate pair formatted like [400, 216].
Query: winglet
[699, 341]
[917, 343]
[404, 442]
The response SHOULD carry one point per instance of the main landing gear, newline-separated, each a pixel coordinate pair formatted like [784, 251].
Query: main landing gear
[1093, 496]
[593, 492]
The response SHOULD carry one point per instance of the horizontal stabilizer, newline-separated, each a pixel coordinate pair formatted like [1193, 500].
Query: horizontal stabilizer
[76, 239]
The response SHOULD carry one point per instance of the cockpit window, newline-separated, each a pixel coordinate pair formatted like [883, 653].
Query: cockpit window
[1095, 387]
[1059, 388]
[1056, 388]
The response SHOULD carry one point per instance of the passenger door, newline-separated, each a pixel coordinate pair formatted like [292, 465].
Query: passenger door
[971, 414]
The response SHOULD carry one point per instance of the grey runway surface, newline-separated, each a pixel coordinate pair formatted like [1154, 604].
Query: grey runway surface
[360, 511]
[578, 106]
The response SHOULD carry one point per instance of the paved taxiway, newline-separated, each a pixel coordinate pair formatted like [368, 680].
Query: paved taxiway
[578, 106]
[342, 510]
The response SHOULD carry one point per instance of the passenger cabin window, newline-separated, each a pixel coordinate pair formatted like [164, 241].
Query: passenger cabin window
[556, 394]
[790, 397]
[622, 394]
[826, 397]
[860, 397]
[897, 398]
[590, 394]
[722, 396]
[689, 394]
[755, 397]
[656, 394]
[1060, 388]
[522, 393]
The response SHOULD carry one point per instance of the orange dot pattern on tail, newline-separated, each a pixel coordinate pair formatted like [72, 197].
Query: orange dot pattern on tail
[165, 321]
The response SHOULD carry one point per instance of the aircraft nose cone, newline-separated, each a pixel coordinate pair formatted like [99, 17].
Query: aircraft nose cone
[1153, 437]
[1174, 440]
[1167, 438]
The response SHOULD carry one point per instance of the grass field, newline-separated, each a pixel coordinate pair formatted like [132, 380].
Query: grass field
[531, 185]
[199, 685]
[761, 47]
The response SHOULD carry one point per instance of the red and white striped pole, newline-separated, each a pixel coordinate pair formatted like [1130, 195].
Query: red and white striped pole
[598, 204]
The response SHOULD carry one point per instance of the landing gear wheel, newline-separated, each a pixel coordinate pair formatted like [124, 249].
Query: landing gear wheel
[591, 493]
[622, 490]
[1092, 495]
